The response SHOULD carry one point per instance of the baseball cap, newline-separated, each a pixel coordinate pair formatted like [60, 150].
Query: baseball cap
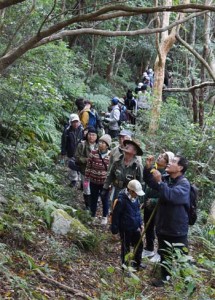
[74, 117]
[125, 132]
[135, 185]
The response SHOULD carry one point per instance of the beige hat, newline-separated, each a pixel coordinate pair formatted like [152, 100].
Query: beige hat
[170, 155]
[135, 143]
[74, 117]
[107, 139]
[135, 185]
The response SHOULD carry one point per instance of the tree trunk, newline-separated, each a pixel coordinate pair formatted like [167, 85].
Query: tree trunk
[163, 48]
[205, 55]
[93, 54]
[123, 49]
[110, 69]
[195, 106]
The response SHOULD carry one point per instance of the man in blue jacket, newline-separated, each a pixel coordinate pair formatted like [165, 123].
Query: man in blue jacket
[174, 203]
[127, 220]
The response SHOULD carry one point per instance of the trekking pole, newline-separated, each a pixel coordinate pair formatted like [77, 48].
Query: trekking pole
[144, 231]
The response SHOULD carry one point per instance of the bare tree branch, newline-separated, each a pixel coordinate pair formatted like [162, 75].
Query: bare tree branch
[190, 89]
[7, 3]
[197, 55]
[21, 23]
[10, 57]
[46, 18]
[109, 33]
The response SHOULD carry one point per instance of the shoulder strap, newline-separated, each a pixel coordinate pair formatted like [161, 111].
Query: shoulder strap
[103, 162]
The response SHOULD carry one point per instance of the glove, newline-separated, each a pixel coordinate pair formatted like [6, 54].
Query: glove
[106, 120]
[104, 192]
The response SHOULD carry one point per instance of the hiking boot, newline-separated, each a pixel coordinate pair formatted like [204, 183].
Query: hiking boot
[147, 253]
[160, 282]
[157, 282]
[156, 258]
[104, 221]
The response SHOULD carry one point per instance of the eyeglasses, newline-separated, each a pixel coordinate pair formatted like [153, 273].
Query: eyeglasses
[92, 134]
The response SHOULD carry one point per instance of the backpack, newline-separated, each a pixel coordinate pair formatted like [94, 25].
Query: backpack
[112, 209]
[192, 213]
[92, 119]
[123, 117]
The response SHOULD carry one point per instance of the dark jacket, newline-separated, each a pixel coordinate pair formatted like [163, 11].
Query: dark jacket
[82, 154]
[152, 194]
[174, 202]
[130, 104]
[126, 214]
[70, 139]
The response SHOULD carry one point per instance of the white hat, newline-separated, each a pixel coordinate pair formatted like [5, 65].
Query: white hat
[74, 117]
[170, 155]
[134, 185]
[140, 85]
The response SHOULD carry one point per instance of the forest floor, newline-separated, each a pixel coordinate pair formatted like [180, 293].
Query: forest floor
[92, 274]
[55, 267]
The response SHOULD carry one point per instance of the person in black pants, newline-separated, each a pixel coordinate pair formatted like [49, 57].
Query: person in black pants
[127, 221]
[150, 200]
[172, 218]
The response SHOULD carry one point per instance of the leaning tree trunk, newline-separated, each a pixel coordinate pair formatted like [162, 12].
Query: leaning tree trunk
[164, 42]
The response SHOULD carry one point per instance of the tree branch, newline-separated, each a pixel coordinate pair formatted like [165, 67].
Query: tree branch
[190, 89]
[64, 287]
[109, 33]
[7, 3]
[197, 55]
[46, 18]
[10, 57]
[22, 22]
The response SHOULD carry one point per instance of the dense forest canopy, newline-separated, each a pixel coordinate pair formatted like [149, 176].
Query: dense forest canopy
[55, 51]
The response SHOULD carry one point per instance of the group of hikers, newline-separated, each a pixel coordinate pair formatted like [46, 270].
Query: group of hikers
[125, 185]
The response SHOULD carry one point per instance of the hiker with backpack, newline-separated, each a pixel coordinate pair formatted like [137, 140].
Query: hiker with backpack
[89, 116]
[172, 218]
[95, 175]
[131, 104]
[127, 221]
[81, 157]
[71, 137]
[151, 198]
[114, 118]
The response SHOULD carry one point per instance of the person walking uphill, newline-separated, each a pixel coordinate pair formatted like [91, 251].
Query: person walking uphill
[113, 119]
[127, 221]
[81, 157]
[71, 137]
[96, 172]
[174, 203]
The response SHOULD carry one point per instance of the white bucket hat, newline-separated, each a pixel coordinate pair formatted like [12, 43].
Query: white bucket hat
[134, 185]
